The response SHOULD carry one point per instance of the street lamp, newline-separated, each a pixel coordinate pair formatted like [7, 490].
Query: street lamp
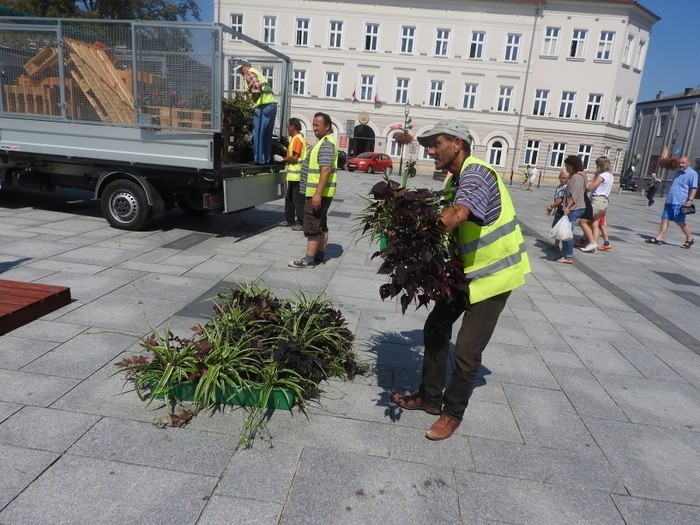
[406, 128]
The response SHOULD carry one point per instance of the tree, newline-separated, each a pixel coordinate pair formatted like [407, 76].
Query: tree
[171, 10]
[45, 8]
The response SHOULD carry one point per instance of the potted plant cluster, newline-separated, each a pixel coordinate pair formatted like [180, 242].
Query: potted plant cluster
[413, 244]
[256, 351]
[670, 163]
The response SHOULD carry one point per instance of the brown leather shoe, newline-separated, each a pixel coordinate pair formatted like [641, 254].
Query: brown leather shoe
[443, 428]
[413, 402]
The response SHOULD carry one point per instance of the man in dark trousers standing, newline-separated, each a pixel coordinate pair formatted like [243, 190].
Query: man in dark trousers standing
[485, 234]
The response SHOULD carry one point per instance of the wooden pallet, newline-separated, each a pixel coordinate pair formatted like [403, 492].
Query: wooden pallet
[21, 303]
[178, 117]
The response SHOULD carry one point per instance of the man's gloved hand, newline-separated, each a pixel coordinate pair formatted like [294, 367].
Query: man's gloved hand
[278, 158]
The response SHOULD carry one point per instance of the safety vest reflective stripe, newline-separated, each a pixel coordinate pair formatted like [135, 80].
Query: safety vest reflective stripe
[501, 264]
[314, 175]
[490, 237]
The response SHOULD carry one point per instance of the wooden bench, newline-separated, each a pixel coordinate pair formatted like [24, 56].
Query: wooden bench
[21, 303]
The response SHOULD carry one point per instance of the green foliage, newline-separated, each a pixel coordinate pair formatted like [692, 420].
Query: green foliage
[254, 344]
[416, 255]
[169, 10]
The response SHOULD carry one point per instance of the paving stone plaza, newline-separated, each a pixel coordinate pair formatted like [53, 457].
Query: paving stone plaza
[587, 410]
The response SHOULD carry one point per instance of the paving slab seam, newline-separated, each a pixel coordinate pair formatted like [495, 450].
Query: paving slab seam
[650, 315]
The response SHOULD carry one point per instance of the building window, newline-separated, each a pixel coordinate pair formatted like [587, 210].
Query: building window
[505, 96]
[371, 36]
[495, 153]
[268, 73]
[299, 84]
[661, 125]
[367, 87]
[512, 47]
[584, 151]
[551, 41]
[541, 99]
[302, 31]
[469, 95]
[476, 48]
[236, 24]
[605, 45]
[336, 34]
[627, 53]
[628, 113]
[556, 156]
[618, 159]
[532, 151]
[401, 90]
[408, 35]
[269, 29]
[578, 42]
[641, 51]
[234, 77]
[435, 97]
[424, 153]
[566, 108]
[332, 79]
[442, 39]
[593, 108]
[617, 110]
[394, 147]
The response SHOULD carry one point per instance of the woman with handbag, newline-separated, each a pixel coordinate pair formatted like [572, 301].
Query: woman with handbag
[577, 206]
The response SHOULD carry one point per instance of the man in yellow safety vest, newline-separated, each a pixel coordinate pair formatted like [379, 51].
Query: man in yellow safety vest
[486, 236]
[296, 153]
[318, 184]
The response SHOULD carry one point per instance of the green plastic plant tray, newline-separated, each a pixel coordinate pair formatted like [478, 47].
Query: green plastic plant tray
[280, 398]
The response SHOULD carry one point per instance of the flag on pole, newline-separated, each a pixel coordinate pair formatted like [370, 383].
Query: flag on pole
[378, 101]
[664, 153]
[354, 95]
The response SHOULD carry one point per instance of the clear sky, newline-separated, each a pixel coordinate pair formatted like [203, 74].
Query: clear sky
[673, 59]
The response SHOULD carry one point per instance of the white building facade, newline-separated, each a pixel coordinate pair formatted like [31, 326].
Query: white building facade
[534, 81]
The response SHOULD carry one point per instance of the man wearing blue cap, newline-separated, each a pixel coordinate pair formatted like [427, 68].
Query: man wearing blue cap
[486, 237]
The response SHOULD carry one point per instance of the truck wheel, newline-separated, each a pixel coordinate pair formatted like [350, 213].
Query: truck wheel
[125, 206]
[189, 210]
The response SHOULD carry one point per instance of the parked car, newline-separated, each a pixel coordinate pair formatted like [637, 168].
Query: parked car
[371, 162]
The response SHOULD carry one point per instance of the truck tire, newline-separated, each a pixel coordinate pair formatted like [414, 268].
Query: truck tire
[125, 205]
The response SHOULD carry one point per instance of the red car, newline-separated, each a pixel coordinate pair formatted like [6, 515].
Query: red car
[371, 162]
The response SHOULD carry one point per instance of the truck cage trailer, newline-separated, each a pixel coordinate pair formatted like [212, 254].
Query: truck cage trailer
[132, 111]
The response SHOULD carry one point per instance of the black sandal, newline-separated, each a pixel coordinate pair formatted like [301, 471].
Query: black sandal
[653, 240]
[688, 244]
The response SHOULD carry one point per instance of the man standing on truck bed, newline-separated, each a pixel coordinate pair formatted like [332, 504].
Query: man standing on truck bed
[318, 183]
[260, 92]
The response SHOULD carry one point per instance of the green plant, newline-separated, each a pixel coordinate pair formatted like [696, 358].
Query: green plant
[416, 254]
[255, 346]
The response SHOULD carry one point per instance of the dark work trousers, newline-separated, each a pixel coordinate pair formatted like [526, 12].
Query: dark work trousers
[477, 327]
[650, 194]
[293, 203]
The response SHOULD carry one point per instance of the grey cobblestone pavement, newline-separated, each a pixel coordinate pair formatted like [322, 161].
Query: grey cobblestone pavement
[587, 411]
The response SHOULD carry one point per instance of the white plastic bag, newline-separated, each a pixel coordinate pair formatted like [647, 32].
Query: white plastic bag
[562, 229]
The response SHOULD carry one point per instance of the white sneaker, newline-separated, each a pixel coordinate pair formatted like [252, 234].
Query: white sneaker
[590, 248]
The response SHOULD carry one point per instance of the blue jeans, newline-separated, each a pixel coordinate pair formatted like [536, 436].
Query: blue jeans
[263, 124]
[568, 246]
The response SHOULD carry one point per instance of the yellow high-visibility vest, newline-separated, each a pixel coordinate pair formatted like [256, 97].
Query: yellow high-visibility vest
[294, 169]
[315, 170]
[494, 256]
[266, 94]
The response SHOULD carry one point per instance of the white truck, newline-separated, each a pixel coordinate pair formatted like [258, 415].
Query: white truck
[132, 111]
